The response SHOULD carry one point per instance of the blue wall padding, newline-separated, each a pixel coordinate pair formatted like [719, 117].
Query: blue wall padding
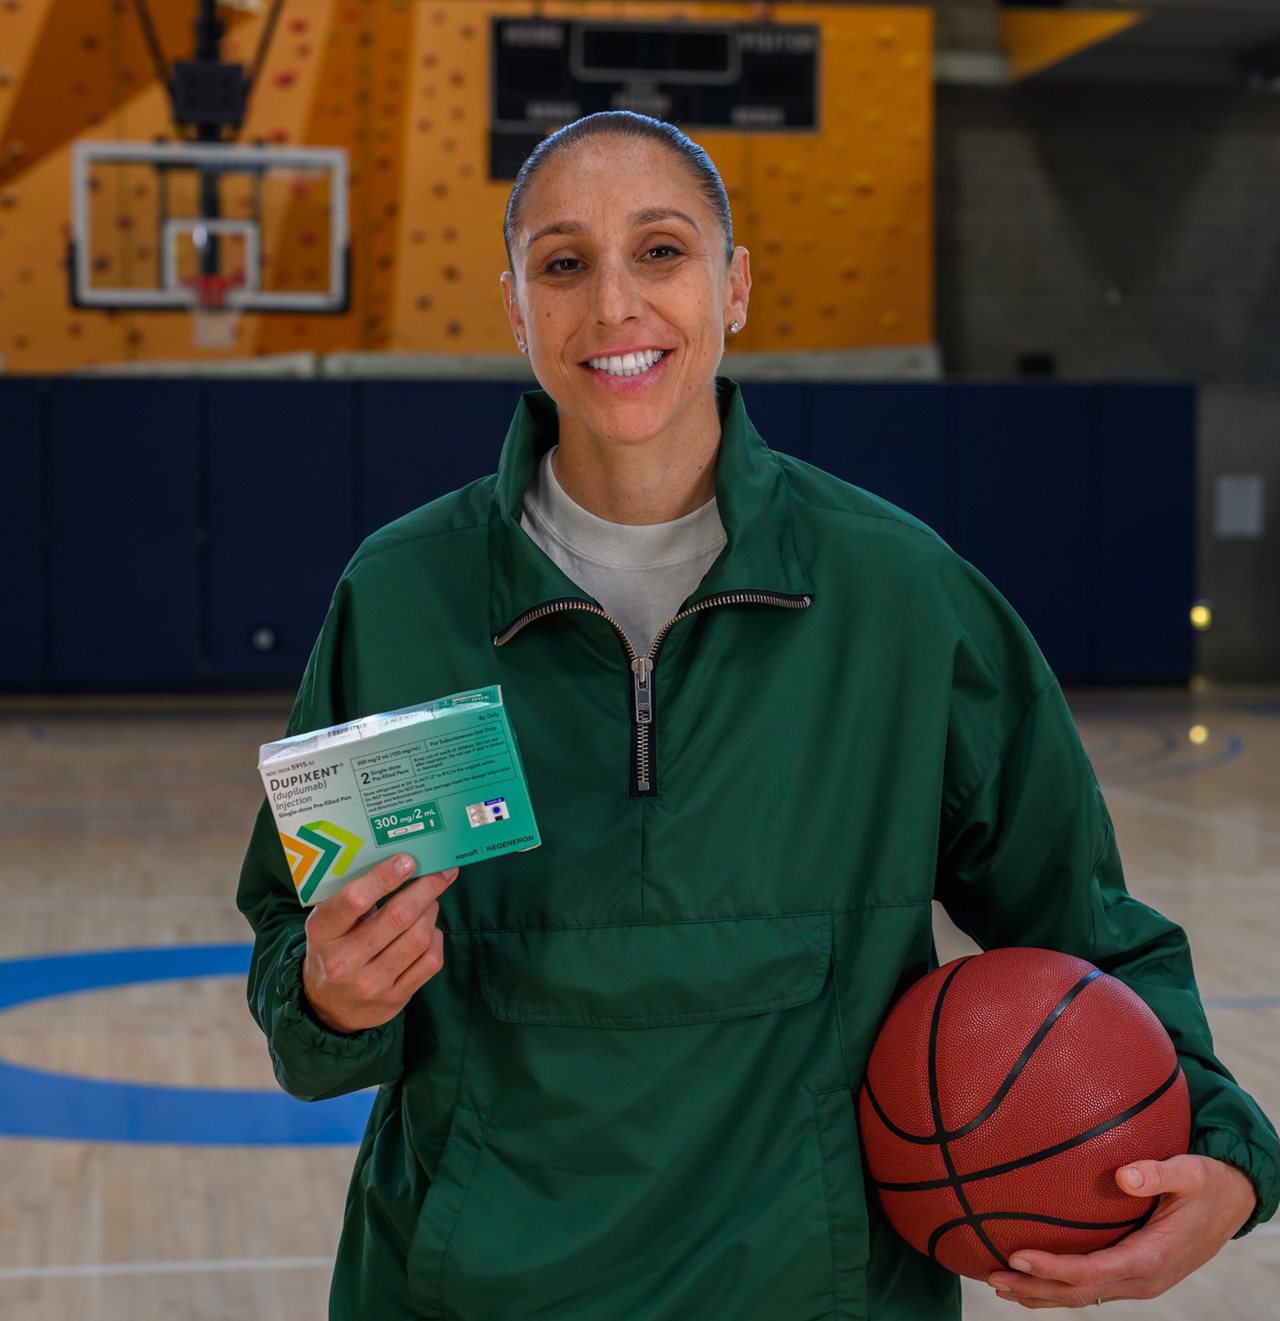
[887, 439]
[22, 543]
[125, 595]
[783, 415]
[283, 495]
[1144, 502]
[1020, 485]
[179, 517]
[419, 443]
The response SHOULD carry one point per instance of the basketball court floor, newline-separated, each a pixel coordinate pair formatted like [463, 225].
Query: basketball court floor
[150, 1167]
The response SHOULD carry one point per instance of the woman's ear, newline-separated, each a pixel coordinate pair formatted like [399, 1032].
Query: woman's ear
[738, 290]
[512, 305]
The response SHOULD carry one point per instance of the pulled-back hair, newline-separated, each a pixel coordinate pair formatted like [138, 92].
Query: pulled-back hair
[622, 124]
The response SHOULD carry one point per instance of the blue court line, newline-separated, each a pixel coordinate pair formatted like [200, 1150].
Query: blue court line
[1181, 770]
[35, 1103]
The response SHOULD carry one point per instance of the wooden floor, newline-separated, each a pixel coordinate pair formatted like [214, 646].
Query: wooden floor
[122, 825]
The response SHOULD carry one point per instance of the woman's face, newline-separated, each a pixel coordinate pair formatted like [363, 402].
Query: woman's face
[618, 253]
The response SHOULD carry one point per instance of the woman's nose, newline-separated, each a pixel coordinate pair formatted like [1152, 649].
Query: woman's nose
[615, 293]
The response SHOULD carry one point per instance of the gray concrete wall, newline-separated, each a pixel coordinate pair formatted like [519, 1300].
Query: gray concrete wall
[1130, 232]
[1240, 435]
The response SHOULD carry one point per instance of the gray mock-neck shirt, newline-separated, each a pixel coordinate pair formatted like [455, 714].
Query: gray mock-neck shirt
[640, 573]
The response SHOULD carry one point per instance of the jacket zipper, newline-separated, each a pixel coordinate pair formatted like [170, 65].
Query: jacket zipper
[644, 780]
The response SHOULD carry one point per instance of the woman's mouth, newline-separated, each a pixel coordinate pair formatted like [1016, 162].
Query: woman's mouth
[626, 365]
[628, 371]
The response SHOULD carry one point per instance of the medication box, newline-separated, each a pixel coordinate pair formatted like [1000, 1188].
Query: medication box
[441, 781]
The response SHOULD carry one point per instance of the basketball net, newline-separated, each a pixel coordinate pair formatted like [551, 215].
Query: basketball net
[213, 319]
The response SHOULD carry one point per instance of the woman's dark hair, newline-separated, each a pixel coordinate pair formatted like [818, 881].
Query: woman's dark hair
[622, 124]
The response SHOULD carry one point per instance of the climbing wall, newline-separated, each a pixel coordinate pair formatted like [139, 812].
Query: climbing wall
[839, 222]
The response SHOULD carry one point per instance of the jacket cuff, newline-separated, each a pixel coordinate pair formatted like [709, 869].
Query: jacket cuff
[312, 1060]
[1258, 1163]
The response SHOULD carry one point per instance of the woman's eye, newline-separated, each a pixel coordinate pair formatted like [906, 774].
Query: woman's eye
[563, 266]
[663, 251]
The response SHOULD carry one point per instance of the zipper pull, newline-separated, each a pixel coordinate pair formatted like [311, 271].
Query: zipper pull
[642, 669]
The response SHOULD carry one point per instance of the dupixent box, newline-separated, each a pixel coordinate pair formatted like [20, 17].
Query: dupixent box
[441, 781]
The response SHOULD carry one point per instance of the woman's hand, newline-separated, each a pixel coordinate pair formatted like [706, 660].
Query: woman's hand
[1202, 1204]
[363, 963]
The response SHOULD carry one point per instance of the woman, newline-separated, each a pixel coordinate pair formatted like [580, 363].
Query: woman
[766, 719]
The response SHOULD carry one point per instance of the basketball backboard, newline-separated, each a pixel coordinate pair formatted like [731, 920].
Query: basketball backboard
[152, 224]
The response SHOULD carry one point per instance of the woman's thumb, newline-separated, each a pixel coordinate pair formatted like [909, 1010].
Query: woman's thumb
[1150, 1178]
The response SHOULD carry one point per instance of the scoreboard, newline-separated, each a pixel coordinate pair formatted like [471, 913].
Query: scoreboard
[755, 78]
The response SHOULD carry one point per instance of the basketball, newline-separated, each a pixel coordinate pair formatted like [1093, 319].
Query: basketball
[1002, 1094]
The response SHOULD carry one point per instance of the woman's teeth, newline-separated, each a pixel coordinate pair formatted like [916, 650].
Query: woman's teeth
[629, 364]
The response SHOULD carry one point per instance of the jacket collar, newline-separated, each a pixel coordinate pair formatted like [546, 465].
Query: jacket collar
[751, 495]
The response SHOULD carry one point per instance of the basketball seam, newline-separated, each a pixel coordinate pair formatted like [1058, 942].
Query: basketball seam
[1038, 1219]
[928, 1139]
[991, 1171]
[935, 1105]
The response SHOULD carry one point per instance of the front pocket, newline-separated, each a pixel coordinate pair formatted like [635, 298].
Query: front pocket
[651, 1145]
[836, 1123]
[442, 1209]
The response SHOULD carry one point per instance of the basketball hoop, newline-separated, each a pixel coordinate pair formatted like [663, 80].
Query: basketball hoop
[214, 319]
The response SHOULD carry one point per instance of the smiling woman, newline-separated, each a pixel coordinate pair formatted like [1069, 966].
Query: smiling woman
[767, 719]
[624, 281]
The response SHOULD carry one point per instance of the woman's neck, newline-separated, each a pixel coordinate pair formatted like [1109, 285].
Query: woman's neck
[652, 481]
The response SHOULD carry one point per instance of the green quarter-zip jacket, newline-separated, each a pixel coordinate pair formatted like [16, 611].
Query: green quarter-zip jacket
[629, 1094]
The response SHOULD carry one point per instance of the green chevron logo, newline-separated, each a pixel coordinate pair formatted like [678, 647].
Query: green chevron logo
[337, 849]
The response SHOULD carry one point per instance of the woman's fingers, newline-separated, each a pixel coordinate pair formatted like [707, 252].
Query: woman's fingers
[342, 912]
[357, 953]
[1203, 1202]
[395, 918]
[422, 969]
[407, 948]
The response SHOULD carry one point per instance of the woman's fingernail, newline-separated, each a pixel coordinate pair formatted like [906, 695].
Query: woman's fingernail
[1020, 1264]
[1133, 1178]
[404, 865]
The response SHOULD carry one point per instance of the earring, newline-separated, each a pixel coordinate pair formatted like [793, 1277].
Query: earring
[734, 327]
[522, 346]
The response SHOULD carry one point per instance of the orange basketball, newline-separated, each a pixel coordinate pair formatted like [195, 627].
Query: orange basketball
[1004, 1091]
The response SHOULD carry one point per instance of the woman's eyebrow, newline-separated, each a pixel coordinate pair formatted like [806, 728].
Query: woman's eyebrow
[558, 227]
[653, 214]
[650, 215]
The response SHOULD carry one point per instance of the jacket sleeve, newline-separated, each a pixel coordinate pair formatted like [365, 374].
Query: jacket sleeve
[311, 1062]
[1028, 857]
